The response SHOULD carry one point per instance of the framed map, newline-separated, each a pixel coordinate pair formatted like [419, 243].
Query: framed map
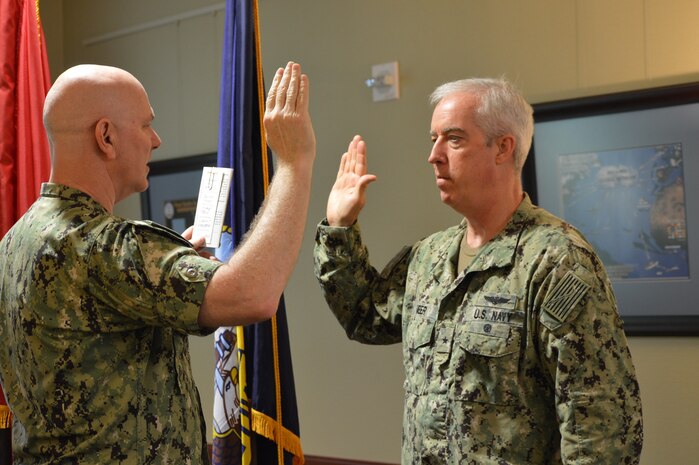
[630, 204]
[622, 168]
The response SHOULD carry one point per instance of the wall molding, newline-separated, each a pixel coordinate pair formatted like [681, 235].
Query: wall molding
[154, 24]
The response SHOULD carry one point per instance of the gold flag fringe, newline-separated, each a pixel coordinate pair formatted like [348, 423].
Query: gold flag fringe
[5, 417]
[266, 426]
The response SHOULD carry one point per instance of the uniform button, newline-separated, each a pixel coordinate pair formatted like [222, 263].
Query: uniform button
[191, 272]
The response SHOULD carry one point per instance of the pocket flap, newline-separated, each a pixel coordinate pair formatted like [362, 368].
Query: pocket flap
[489, 345]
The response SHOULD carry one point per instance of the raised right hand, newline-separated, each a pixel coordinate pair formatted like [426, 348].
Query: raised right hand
[347, 197]
[287, 121]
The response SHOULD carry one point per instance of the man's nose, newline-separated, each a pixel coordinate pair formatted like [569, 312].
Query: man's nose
[156, 140]
[436, 154]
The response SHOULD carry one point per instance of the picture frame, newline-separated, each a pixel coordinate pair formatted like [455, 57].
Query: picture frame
[173, 188]
[619, 168]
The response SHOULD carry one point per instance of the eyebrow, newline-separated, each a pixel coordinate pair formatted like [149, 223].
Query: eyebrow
[449, 130]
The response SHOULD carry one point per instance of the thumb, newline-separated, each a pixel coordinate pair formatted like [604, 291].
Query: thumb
[198, 242]
[364, 182]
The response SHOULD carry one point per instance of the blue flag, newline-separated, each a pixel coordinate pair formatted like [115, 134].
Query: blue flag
[255, 415]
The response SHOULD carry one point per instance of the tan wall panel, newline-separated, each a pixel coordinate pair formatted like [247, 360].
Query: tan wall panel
[199, 71]
[672, 37]
[611, 45]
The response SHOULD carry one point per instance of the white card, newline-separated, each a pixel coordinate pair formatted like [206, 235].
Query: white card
[211, 204]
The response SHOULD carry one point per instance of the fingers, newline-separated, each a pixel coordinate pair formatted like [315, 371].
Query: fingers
[287, 122]
[304, 94]
[347, 160]
[283, 87]
[198, 242]
[356, 150]
[359, 167]
[293, 88]
[353, 156]
[187, 234]
[343, 164]
[208, 255]
[272, 95]
[289, 90]
[353, 163]
[360, 162]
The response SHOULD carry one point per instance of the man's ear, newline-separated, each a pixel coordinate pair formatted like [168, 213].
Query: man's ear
[105, 136]
[506, 149]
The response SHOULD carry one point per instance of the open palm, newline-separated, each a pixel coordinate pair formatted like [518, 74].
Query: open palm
[348, 194]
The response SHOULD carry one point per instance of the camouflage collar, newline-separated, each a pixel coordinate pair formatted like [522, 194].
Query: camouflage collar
[444, 269]
[60, 191]
[500, 250]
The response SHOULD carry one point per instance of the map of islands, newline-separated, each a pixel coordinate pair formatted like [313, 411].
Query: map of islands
[630, 205]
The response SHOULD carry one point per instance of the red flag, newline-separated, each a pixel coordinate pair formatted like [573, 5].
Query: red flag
[24, 149]
[25, 79]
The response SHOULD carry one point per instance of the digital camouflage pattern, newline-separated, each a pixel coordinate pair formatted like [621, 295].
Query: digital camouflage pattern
[94, 316]
[521, 359]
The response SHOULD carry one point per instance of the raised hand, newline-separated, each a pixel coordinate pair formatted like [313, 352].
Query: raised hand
[347, 197]
[287, 121]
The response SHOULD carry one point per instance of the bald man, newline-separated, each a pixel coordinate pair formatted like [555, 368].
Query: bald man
[95, 309]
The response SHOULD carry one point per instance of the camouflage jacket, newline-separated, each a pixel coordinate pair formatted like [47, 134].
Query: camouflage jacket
[520, 359]
[94, 316]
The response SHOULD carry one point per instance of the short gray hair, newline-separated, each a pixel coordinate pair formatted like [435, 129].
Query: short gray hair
[501, 110]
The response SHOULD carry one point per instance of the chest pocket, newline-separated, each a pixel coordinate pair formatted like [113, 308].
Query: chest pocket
[418, 350]
[487, 355]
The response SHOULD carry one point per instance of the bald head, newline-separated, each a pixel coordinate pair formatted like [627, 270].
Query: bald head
[85, 93]
[99, 124]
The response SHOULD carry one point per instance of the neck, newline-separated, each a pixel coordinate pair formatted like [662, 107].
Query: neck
[89, 177]
[486, 220]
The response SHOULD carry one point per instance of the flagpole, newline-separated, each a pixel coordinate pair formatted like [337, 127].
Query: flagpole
[263, 376]
[261, 95]
[265, 177]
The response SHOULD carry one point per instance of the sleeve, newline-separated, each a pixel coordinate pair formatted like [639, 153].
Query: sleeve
[367, 304]
[146, 274]
[597, 396]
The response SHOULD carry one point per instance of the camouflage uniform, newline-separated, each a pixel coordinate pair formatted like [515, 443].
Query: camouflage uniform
[94, 316]
[520, 359]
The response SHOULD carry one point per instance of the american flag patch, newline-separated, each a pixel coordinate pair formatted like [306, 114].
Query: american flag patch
[565, 296]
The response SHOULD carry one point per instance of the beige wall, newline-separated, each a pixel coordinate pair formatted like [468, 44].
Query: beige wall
[349, 395]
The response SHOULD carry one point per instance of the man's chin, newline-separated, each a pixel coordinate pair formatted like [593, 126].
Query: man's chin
[445, 197]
